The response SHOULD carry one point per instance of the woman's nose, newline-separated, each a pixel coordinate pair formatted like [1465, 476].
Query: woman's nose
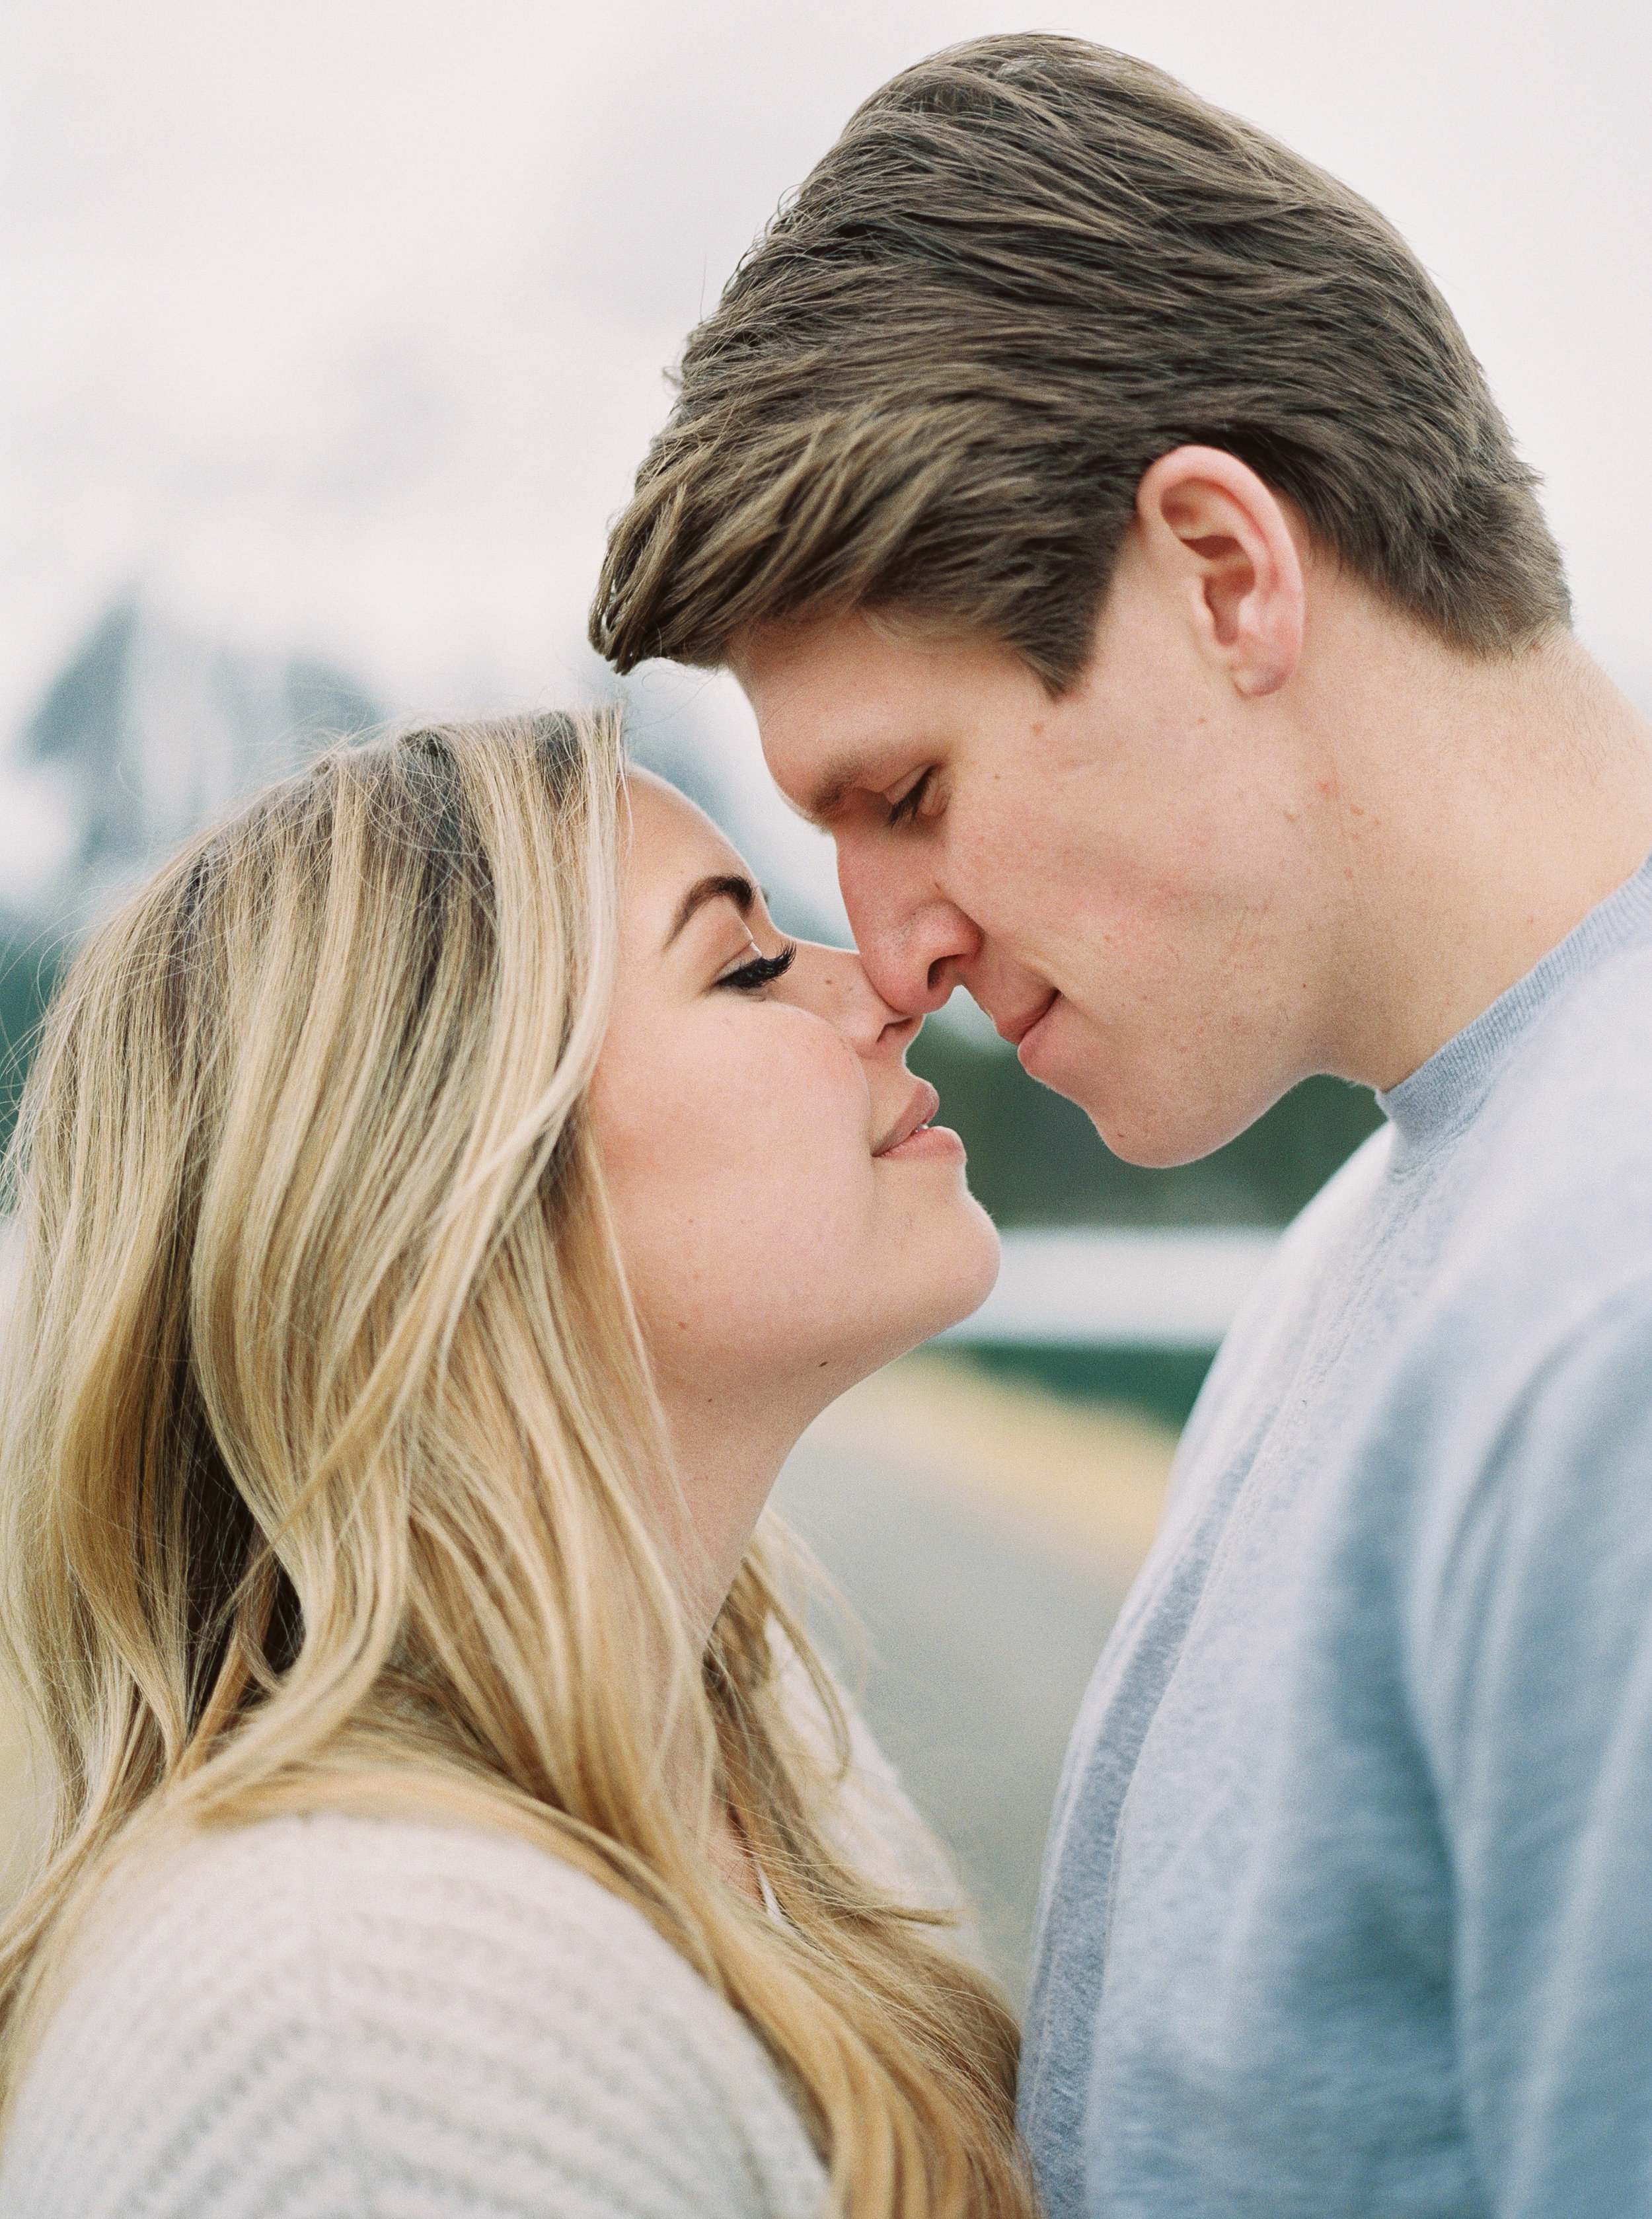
[833, 982]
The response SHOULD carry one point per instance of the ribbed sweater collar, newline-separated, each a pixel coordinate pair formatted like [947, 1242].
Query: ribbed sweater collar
[1442, 1094]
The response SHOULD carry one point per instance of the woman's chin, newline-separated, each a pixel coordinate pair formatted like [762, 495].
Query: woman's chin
[985, 1255]
[963, 1270]
[944, 1268]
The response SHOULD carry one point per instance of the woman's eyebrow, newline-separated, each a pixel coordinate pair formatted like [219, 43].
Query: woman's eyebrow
[723, 885]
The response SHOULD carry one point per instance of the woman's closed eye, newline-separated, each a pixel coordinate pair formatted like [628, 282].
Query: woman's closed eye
[760, 970]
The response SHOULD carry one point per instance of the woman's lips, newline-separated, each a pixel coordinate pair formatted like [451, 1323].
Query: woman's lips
[912, 1135]
[936, 1141]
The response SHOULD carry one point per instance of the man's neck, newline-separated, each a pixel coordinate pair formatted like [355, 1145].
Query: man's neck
[1485, 810]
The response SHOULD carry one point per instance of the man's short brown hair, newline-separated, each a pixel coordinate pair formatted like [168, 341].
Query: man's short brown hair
[1028, 268]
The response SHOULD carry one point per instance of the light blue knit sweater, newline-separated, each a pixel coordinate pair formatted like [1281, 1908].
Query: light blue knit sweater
[1348, 1898]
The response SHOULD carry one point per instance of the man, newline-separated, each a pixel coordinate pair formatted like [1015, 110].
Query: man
[1127, 564]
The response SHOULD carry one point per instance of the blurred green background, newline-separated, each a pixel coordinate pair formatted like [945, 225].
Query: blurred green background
[1036, 1159]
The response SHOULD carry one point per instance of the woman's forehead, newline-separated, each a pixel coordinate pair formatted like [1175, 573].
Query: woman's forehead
[673, 842]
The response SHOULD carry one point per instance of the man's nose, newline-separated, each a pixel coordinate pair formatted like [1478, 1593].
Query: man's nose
[914, 942]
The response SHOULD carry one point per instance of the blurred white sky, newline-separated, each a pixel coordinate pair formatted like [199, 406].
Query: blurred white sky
[339, 326]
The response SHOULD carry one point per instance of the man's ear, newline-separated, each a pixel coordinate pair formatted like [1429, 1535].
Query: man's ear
[1220, 541]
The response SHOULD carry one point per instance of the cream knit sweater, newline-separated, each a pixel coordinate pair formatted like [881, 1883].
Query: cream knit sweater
[330, 2017]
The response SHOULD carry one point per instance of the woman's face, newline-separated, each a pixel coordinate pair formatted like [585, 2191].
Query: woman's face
[788, 1216]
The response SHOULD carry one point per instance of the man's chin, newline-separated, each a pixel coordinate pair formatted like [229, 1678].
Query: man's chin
[1143, 1116]
[1155, 1150]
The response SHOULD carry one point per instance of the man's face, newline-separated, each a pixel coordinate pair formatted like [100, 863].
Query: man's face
[1120, 877]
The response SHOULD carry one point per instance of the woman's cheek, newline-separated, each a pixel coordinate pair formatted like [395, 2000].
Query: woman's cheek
[813, 1088]
[787, 1155]
[740, 1166]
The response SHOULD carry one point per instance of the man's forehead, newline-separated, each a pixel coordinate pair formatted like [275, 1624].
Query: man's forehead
[851, 704]
[831, 723]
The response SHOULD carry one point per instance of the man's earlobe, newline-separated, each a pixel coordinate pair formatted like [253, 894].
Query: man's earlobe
[1222, 543]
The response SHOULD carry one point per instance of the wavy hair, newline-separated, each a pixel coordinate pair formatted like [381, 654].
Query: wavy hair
[331, 1467]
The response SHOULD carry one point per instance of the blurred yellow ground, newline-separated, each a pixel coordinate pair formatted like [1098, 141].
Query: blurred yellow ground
[1089, 1479]
[983, 1533]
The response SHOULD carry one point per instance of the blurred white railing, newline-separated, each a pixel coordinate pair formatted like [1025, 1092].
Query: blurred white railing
[1099, 1287]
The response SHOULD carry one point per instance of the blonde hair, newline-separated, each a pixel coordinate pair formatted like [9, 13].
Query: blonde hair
[329, 1457]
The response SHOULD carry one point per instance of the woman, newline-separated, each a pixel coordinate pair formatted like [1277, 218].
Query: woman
[444, 1200]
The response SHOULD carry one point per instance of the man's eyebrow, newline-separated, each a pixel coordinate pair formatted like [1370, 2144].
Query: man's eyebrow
[725, 886]
[839, 778]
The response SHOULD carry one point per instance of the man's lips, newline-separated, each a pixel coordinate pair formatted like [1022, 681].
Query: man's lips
[918, 1111]
[1014, 1029]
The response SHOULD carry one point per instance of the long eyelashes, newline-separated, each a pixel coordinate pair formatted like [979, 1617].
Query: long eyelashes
[762, 971]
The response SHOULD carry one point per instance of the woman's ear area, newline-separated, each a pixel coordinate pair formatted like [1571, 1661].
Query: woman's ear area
[1221, 542]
